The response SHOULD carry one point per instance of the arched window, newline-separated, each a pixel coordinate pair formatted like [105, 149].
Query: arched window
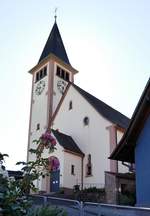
[86, 121]
[72, 170]
[38, 126]
[89, 166]
[70, 105]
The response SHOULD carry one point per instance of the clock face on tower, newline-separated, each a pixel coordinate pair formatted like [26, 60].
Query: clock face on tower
[40, 87]
[61, 86]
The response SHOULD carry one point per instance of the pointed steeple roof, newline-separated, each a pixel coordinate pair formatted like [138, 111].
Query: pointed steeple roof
[55, 46]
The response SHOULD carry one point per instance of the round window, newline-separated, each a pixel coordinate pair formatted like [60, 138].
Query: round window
[86, 120]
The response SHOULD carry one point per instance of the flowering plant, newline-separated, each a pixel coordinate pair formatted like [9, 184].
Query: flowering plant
[48, 141]
[53, 163]
[45, 141]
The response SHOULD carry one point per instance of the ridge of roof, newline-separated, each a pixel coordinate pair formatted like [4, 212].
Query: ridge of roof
[55, 46]
[105, 110]
[67, 142]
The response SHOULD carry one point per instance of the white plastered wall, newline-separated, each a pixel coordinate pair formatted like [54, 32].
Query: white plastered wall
[69, 179]
[38, 112]
[92, 139]
[56, 94]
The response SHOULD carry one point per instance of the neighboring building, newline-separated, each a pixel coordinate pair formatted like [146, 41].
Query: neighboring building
[86, 129]
[15, 174]
[134, 147]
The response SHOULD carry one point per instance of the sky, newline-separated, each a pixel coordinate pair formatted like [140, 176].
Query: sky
[107, 41]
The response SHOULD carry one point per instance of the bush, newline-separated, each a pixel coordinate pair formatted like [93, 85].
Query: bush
[47, 211]
[76, 188]
[94, 190]
[127, 199]
[14, 193]
[91, 194]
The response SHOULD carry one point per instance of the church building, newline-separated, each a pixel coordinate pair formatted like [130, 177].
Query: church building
[86, 129]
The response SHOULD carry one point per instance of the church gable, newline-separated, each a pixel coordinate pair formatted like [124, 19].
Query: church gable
[75, 116]
[99, 106]
[105, 110]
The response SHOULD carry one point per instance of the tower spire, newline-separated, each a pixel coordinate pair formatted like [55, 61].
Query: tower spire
[55, 45]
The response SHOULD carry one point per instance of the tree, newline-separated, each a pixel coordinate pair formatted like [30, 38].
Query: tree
[13, 193]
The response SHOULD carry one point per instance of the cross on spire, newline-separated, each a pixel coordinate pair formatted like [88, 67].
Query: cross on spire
[55, 14]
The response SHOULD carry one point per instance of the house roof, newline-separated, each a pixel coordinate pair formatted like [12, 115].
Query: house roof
[67, 142]
[105, 110]
[55, 46]
[125, 149]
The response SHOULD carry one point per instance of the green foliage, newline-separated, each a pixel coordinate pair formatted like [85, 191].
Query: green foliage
[47, 211]
[91, 194]
[13, 193]
[2, 156]
[94, 190]
[76, 188]
[127, 199]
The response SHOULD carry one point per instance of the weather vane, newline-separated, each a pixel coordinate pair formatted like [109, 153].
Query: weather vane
[55, 14]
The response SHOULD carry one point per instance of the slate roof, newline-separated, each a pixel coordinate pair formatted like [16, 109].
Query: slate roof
[55, 46]
[105, 110]
[67, 142]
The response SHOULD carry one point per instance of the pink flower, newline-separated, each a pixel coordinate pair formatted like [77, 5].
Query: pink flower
[54, 163]
[53, 142]
[48, 139]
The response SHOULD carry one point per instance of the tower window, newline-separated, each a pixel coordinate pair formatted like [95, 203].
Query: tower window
[37, 76]
[70, 105]
[72, 170]
[58, 71]
[62, 73]
[45, 71]
[38, 126]
[67, 76]
[40, 74]
[86, 121]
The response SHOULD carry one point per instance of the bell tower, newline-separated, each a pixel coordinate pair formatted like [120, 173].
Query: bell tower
[50, 78]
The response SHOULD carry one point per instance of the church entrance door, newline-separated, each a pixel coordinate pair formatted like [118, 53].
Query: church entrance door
[54, 180]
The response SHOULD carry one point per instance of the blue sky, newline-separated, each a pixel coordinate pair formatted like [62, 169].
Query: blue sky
[106, 40]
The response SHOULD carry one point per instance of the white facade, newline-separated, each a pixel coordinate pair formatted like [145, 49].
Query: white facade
[39, 111]
[43, 105]
[92, 139]
[59, 105]
[56, 91]
[69, 180]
